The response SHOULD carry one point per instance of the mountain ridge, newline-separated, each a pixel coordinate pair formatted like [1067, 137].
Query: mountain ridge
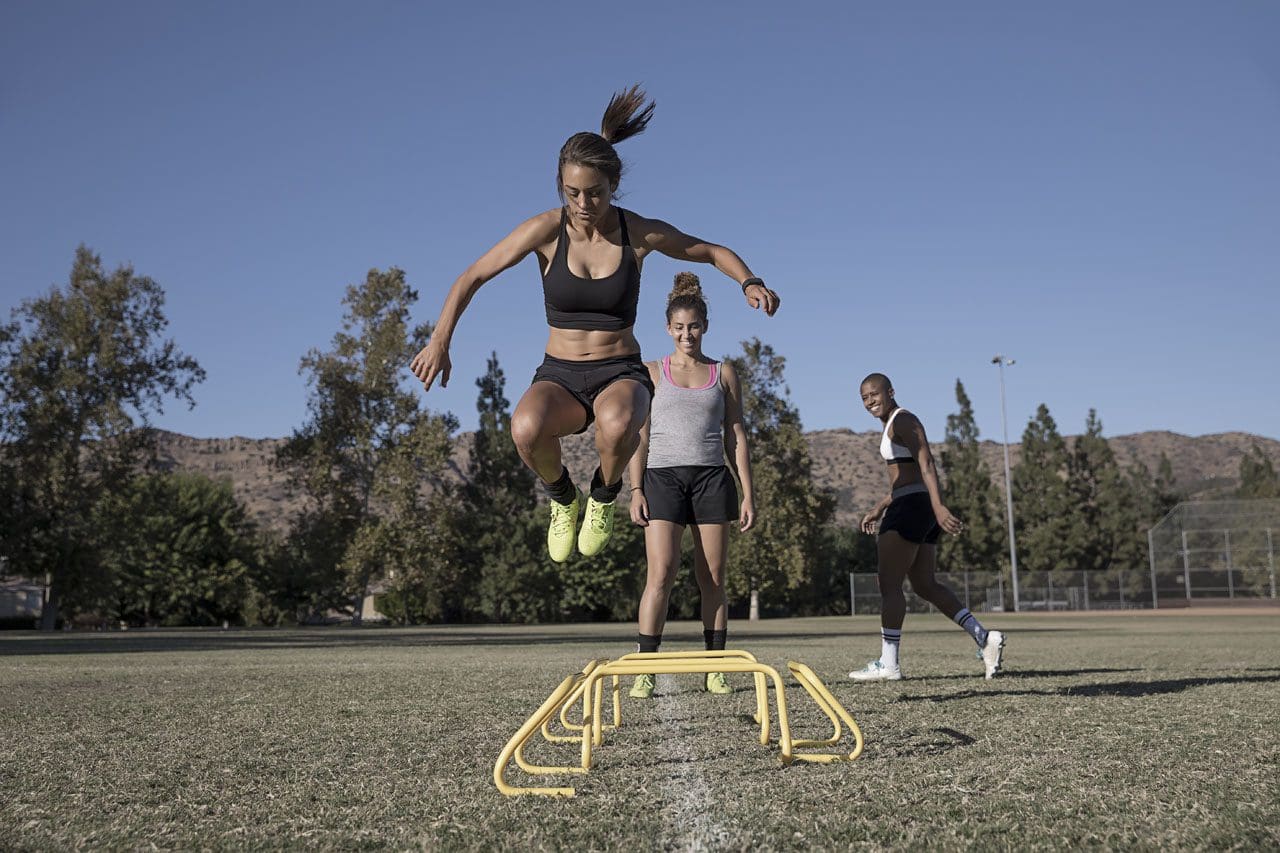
[843, 461]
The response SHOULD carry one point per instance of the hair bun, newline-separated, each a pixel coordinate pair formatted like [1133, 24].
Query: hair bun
[687, 284]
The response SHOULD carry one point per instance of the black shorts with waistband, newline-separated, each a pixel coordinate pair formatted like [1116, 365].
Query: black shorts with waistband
[912, 517]
[586, 379]
[691, 494]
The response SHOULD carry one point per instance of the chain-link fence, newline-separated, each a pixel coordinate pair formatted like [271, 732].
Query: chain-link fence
[1215, 549]
[1201, 551]
[990, 591]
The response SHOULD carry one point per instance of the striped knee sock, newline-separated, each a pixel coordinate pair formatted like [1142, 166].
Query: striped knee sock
[970, 623]
[890, 638]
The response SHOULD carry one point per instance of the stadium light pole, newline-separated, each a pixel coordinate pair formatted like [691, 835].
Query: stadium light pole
[1001, 361]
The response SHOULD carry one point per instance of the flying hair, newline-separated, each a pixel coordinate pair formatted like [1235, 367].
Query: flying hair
[627, 115]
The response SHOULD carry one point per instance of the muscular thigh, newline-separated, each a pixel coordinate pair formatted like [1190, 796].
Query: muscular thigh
[623, 406]
[896, 557]
[923, 567]
[551, 410]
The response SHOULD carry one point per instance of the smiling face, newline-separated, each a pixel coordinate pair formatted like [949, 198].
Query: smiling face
[686, 328]
[586, 193]
[877, 398]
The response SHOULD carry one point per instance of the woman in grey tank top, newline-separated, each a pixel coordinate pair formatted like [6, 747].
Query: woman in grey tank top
[679, 477]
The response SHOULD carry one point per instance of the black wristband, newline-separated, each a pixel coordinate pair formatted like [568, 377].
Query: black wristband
[751, 281]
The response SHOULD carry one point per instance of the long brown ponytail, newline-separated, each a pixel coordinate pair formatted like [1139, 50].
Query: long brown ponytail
[626, 116]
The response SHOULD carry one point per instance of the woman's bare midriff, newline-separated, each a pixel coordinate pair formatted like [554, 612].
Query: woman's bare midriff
[583, 345]
[904, 474]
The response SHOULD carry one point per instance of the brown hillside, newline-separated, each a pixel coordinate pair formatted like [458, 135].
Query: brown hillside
[845, 462]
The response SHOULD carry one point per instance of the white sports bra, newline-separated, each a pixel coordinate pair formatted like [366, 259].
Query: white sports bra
[892, 452]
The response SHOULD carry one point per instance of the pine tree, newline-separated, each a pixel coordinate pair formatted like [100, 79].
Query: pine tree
[969, 492]
[1044, 517]
[1107, 515]
[502, 538]
[778, 557]
[1258, 477]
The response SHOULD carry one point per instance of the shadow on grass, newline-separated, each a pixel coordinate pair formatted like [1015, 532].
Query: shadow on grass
[1024, 673]
[932, 742]
[318, 638]
[1118, 688]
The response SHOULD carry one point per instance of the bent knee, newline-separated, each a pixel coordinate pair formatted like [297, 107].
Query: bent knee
[526, 429]
[614, 428]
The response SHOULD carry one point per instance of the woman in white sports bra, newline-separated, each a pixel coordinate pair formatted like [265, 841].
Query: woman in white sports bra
[910, 519]
[679, 477]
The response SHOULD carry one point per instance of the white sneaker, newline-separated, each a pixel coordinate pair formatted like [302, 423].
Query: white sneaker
[876, 671]
[993, 652]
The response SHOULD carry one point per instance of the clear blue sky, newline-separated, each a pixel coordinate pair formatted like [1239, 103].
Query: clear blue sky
[1091, 188]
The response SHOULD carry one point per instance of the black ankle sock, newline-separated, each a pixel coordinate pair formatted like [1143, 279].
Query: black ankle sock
[715, 640]
[562, 491]
[604, 494]
[648, 642]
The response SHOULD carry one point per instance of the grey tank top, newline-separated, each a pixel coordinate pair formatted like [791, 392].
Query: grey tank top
[686, 424]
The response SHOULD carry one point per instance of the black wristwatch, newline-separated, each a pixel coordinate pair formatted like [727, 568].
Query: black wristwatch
[751, 281]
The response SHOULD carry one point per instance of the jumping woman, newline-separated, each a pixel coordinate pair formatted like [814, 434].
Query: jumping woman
[911, 517]
[680, 479]
[590, 254]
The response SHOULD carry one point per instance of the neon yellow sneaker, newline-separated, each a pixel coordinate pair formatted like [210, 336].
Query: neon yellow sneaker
[642, 687]
[597, 527]
[560, 532]
[716, 683]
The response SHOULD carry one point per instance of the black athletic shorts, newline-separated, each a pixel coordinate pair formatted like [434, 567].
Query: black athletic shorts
[912, 516]
[691, 494]
[586, 379]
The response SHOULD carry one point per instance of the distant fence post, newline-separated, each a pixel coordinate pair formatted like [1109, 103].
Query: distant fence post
[1084, 576]
[853, 598]
[967, 605]
[1231, 584]
[1000, 585]
[1151, 558]
[1186, 567]
[1120, 585]
[1271, 563]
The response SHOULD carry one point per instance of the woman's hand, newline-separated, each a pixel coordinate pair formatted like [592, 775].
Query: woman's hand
[747, 516]
[433, 361]
[759, 296]
[639, 508]
[871, 519]
[947, 521]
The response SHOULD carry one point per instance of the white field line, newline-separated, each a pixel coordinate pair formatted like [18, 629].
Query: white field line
[689, 817]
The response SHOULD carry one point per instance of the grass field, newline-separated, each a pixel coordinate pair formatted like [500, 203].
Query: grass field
[1107, 730]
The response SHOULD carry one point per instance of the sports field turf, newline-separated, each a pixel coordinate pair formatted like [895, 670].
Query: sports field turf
[1107, 730]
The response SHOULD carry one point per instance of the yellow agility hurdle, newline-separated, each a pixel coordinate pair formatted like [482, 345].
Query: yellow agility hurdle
[588, 687]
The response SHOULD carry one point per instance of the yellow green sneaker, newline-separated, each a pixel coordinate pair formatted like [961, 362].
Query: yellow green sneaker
[560, 532]
[642, 687]
[716, 683]
[597, 527]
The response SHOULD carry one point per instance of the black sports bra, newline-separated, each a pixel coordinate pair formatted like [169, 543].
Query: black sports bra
[593, 304]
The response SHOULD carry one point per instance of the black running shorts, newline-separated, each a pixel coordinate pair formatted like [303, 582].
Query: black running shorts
[586, 379]
[691, 494]
[912, 517]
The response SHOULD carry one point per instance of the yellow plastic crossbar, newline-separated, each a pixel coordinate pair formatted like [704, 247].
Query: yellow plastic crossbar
[588, 687]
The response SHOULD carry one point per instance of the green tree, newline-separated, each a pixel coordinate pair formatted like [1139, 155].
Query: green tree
[186, 556]
[779, 557]
[1044, 517]
[969, 492]
[1257, 476]
[502, 528]
[1107, 510]
[82, 370]
[364, 454]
